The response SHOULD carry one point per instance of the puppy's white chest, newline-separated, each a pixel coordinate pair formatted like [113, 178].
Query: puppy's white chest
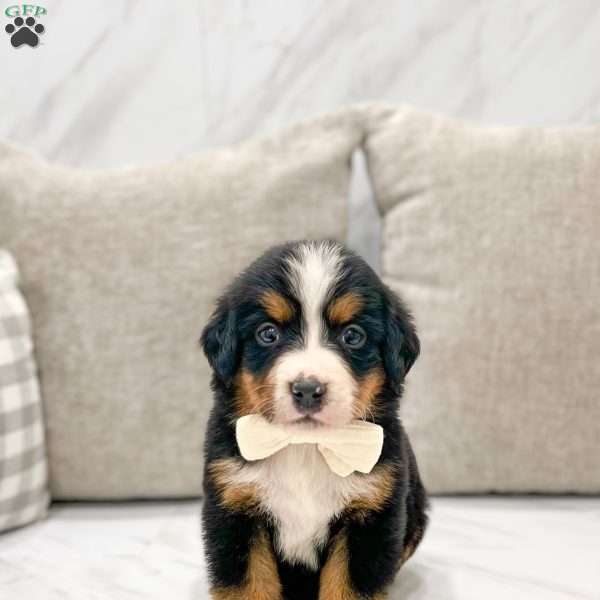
[302, 495]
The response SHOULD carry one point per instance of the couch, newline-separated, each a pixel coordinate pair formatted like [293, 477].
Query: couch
[489, 234]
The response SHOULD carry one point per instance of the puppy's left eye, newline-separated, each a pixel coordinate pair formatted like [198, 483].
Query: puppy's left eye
[267, 334]
[353, 337]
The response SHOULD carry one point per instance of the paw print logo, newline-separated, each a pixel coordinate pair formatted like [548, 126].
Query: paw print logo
[24, 32]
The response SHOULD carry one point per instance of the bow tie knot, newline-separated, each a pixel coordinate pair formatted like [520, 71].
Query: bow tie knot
[353, 447]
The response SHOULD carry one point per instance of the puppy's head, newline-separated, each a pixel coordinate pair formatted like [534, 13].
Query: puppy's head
[309, 333]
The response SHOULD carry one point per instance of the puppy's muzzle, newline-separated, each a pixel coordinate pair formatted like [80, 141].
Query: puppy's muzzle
[308, 395]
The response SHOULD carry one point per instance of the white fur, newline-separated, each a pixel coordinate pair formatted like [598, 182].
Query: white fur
[302, 495]
[313, 272]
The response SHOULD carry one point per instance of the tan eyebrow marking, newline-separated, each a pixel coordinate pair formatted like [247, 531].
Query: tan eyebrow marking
[345, 308]
[277, 306]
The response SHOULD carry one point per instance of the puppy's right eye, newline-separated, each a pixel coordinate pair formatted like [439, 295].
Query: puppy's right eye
[267, 334]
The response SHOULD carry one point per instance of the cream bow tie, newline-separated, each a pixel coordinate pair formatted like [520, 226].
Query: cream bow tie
[355, 447]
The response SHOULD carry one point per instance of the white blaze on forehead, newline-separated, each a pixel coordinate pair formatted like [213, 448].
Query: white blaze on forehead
[313, 271]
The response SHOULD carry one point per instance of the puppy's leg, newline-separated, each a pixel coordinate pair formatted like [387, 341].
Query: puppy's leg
[238, 548]
[344, 578]
[364, 556]
[241, 562]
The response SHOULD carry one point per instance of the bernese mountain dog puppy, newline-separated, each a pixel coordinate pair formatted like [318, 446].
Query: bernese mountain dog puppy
[308, 335]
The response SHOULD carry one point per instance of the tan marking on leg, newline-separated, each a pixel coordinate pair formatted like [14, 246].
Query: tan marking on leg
[335, 581]
[253, 394]
[411, 546]
[277, 307]
[369, 387]
[262, 579]
[343, 309]
[381, 488]
[407, 552]
[238, 497]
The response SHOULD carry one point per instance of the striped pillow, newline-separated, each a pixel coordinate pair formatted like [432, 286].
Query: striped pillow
[23, 470]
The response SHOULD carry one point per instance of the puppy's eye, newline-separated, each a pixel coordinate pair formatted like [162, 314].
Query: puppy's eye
[267, 334]
[353, 337]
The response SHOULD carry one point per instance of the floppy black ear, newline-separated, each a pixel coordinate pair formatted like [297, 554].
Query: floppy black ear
[401, 345]
[220, 343]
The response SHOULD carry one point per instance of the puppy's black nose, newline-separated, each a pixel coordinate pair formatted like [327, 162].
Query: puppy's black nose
[308, 394]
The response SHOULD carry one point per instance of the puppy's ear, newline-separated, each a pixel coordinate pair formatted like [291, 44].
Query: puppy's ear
[401, 345]
[220, 343]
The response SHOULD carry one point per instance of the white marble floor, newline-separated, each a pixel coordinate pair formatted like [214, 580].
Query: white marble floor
[476, 549]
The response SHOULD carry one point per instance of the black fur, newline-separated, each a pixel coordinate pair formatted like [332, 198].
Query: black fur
[375, 544]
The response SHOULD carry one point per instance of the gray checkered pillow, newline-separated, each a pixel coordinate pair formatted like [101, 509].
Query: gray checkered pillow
[23, 471]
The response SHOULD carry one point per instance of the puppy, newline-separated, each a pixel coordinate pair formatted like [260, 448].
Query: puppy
[308, 336]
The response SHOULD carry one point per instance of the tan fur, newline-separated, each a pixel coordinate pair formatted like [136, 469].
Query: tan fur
[335, 581]
[277, 307]
[407, 552]
[262, 579]
[368, 389]
[410, 547]
[345, 308]
[241, 497]
[253, 394]
[382, 480]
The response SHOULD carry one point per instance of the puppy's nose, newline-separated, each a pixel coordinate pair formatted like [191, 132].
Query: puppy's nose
[308, 394]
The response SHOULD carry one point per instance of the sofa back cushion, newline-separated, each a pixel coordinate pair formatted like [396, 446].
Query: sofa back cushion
[492, 235]
[121, 269]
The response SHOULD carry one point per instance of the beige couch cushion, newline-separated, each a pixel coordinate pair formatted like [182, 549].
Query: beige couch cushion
[121, 268]
[493, 238]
